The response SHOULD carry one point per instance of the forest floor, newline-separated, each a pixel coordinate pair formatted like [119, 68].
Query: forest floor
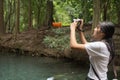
[31, 43]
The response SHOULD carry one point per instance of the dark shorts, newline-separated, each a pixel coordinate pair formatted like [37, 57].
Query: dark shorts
[89, 78]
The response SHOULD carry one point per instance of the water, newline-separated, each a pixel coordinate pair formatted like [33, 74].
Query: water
[14, 67]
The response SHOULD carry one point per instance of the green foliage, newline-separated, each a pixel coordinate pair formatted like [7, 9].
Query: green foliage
[60, 14]
[64, 11]
[67, 10]
[38, 13]
[59, 41]
[61, 31]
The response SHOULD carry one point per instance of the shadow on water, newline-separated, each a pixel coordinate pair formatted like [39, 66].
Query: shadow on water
[14, 67]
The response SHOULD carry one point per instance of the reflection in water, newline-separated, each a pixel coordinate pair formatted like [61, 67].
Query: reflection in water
[39, 68]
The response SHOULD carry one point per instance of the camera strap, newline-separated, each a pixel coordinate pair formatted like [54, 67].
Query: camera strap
[95, 71]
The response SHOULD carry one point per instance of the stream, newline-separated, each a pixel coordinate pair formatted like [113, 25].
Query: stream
[17, 67]
[14, 67]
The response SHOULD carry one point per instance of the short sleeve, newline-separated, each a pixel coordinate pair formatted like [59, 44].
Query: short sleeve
[94, 48]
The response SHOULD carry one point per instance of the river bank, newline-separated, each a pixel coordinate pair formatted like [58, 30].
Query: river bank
[28, 43]
[25, 43]
[31, 43]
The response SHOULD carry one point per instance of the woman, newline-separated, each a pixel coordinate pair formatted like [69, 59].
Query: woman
[99, 50]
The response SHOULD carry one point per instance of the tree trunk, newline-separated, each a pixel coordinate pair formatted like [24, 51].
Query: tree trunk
[117, 3]
[8, 17]
[30, 16]
[38, 13]
[16, 28]
[96, 13]
[49, 13]
[17, 17]
[118, 13]
[106, 3]
[38, 18]
[105, 12]
[2, 27]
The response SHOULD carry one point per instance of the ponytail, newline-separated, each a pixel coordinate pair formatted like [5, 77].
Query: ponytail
[111, 48]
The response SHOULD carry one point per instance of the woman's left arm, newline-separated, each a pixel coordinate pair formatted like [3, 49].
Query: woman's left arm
[73, 41]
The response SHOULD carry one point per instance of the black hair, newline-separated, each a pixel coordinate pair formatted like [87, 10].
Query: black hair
[108, 28]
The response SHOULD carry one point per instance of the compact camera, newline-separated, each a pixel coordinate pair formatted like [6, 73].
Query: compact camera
[78, 22]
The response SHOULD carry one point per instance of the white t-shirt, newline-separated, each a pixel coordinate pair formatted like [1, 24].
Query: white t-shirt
[99, 58]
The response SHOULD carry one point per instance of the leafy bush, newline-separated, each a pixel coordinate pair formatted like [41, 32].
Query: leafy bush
[59, 41]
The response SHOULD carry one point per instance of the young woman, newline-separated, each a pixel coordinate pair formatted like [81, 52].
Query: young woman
[100, 50]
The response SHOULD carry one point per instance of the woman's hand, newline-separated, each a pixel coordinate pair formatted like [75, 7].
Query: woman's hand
[73, 26]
